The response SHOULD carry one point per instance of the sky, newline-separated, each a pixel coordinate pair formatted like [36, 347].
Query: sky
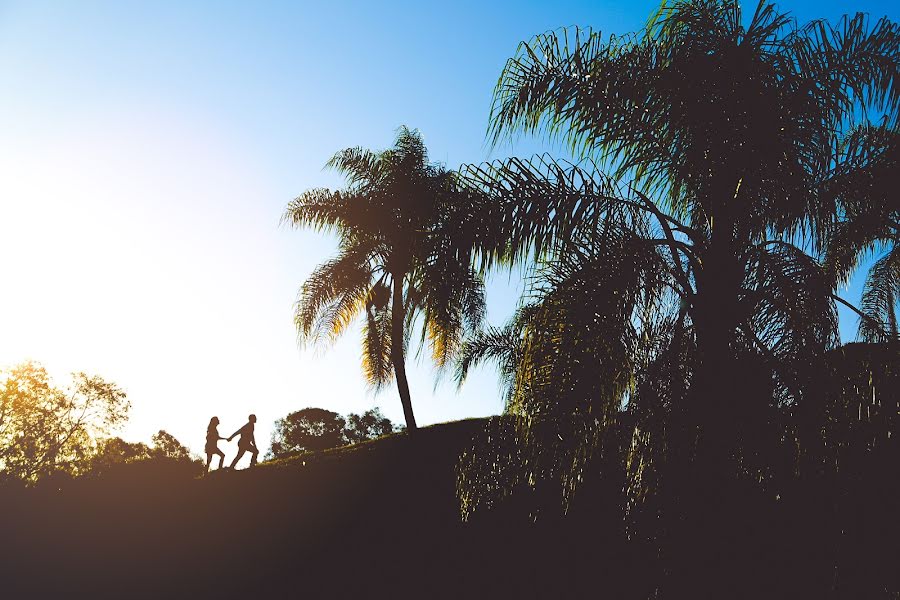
[148, 150]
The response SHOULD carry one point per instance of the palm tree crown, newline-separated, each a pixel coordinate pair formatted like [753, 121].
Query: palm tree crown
[397, 222]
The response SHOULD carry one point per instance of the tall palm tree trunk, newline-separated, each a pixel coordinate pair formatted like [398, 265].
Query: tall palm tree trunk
[704, 487]
[716, 381]
[398, 315]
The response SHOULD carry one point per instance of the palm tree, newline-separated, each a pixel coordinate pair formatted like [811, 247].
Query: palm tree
[726, 135]
[403, 225]
[727, 138]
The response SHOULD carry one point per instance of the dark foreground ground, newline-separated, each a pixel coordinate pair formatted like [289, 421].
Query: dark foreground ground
[381, 519]
[377, 520]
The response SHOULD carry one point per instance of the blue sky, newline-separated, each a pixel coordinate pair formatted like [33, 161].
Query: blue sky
[147, 151]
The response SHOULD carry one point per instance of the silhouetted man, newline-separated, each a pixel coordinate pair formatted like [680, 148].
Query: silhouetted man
[247, 443]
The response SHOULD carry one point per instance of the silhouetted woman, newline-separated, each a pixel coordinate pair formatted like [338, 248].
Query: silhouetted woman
[212, 443]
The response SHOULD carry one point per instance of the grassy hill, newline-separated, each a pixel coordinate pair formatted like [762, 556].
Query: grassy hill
[381, 519]
[374, 519]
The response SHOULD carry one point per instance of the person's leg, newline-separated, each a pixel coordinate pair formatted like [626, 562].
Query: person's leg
[254, 453]
[221, 459]
[208, 460]
[238, 457]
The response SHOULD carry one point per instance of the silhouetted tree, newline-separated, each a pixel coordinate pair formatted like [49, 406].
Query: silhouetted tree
[313, 429]
[403, 225]
[165, 445]
[44, 429]
[680, 273]
[307, 429]
[116, 451]
[367, 426]
[729, 134]
[113, 453]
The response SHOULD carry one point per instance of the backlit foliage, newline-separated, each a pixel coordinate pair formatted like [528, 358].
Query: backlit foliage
[45, 429]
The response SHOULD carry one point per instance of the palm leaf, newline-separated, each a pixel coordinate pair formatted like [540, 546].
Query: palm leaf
[333, 295]
[881, 294]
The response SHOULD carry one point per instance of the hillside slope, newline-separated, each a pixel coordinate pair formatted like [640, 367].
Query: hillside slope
[379, 518]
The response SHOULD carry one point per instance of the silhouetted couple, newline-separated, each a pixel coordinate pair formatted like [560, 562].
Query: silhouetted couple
[246, 443]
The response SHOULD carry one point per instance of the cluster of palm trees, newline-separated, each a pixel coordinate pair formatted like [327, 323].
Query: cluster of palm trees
[735, 172]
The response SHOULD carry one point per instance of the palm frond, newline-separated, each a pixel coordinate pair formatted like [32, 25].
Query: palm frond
[377, 364]
[881, 294]
[792, 318]
[861, 60]
[318, 208]
[850, 242]
[502, 346]
[542, 203]
[332, 296]
[363, 168]
[454, 305]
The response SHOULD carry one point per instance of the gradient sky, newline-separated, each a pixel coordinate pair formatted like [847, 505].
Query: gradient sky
[147, 151]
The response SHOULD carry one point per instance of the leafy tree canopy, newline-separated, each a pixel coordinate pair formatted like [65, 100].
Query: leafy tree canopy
[113, 453]
[314, 429]
[367, 426]
[46, 429]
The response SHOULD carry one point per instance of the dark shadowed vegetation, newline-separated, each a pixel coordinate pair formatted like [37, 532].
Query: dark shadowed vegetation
[335, 523]
[683, 314]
